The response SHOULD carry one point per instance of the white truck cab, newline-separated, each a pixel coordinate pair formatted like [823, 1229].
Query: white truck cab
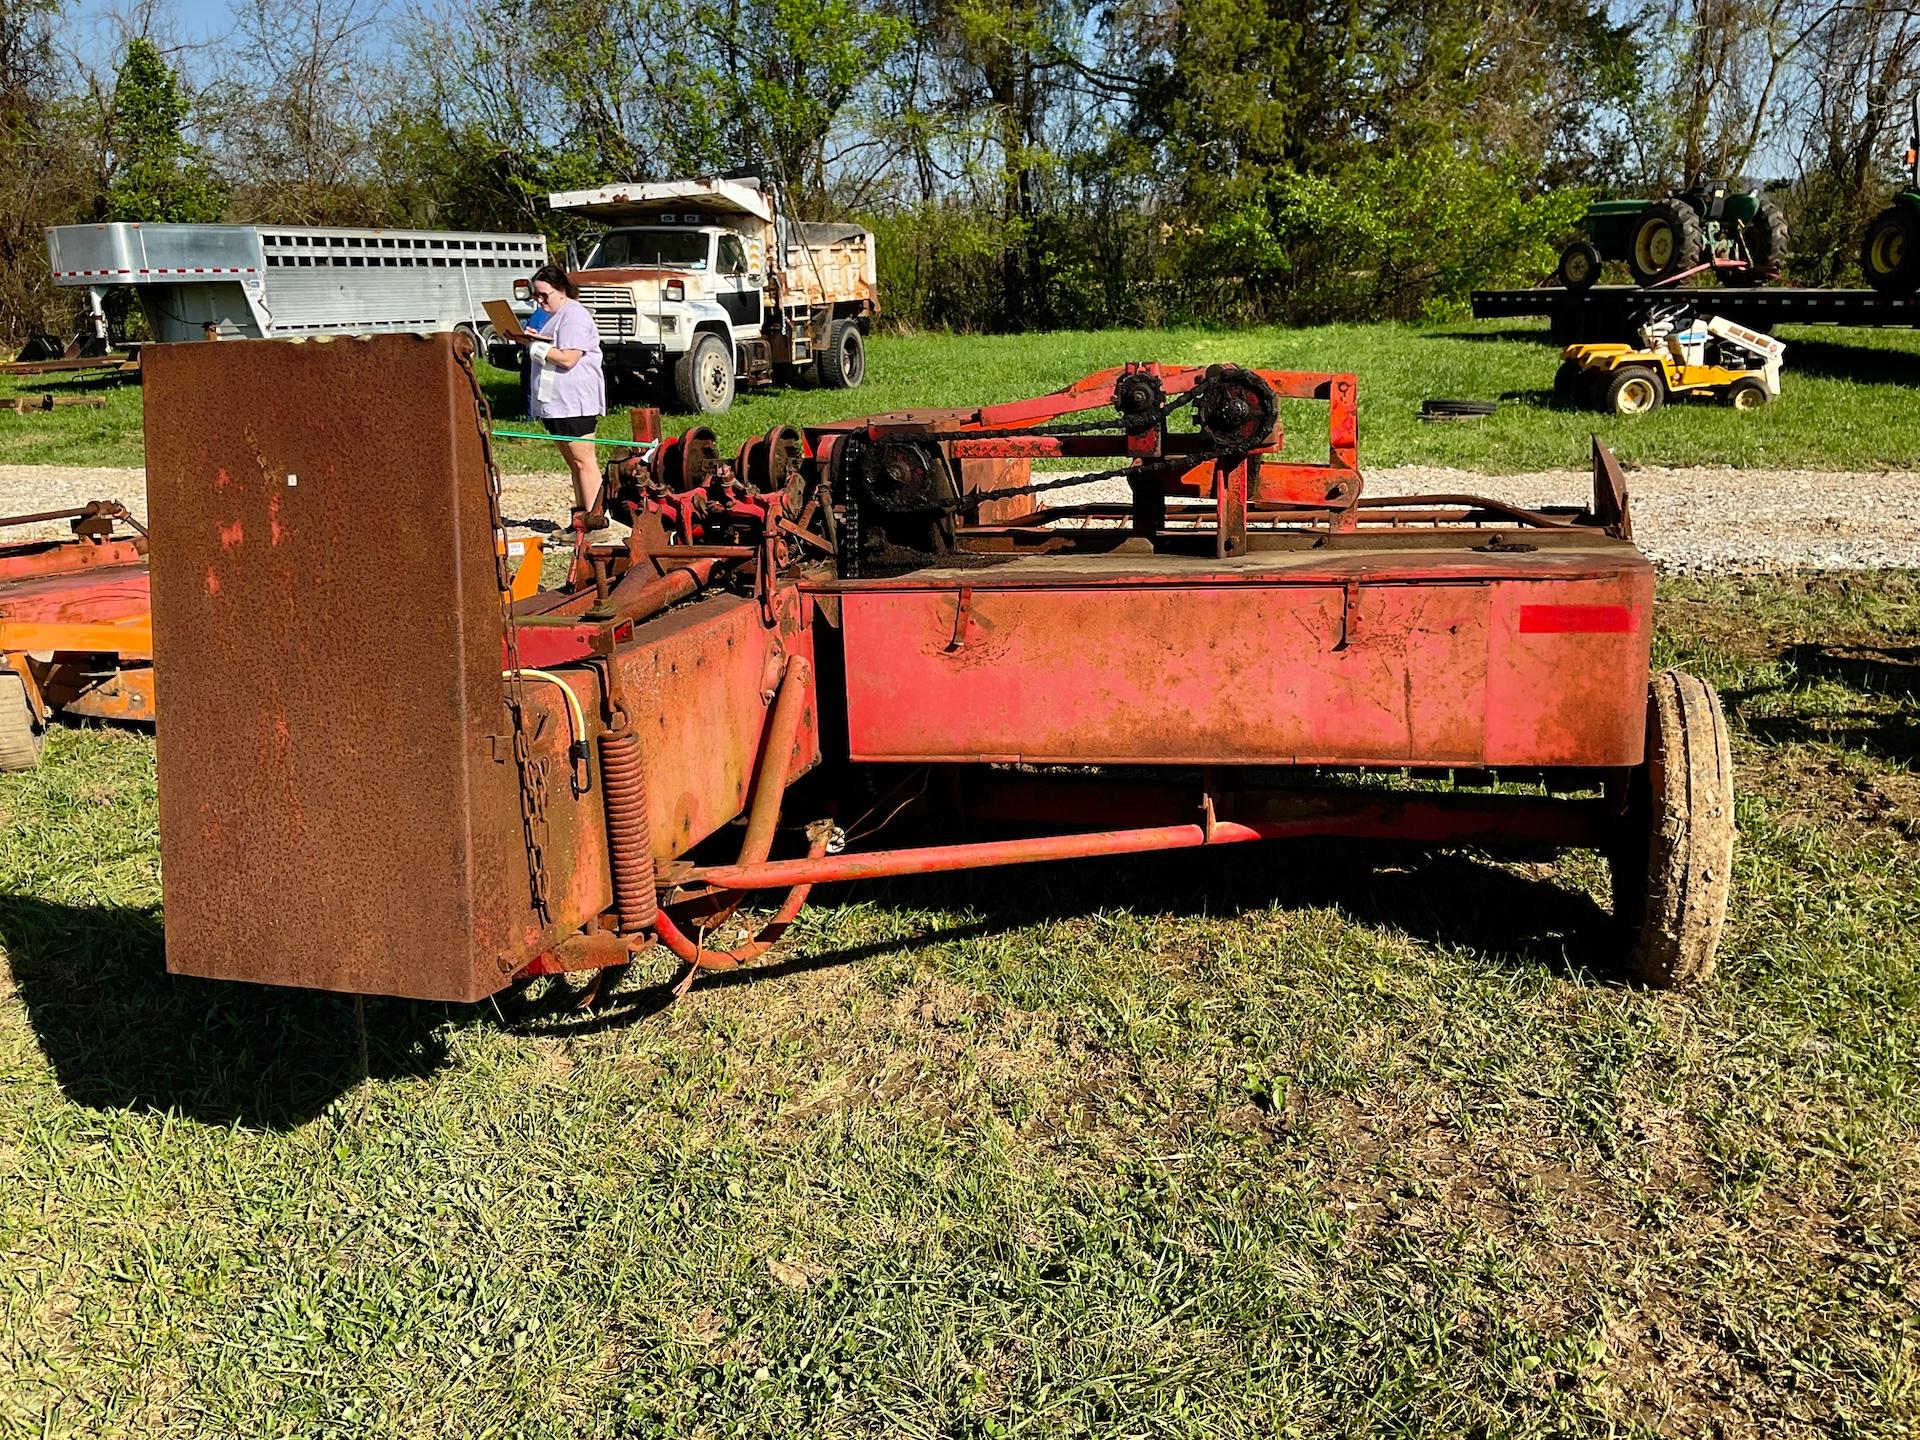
[703, 284]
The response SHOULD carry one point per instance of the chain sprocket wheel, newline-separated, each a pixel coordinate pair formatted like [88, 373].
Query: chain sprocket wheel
[906, 477]
[694, 460]
[1235, 409]
[1139, 399]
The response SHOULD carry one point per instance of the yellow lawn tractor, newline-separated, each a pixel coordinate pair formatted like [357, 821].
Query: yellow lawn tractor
[1678, 355]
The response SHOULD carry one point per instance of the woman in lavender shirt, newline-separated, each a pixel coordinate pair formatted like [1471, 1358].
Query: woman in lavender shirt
[568, 388]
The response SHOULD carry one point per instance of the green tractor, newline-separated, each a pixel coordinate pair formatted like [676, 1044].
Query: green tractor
[1890, 253]
[1742, 237]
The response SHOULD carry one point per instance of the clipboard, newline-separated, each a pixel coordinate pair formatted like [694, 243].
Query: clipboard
[506, 324]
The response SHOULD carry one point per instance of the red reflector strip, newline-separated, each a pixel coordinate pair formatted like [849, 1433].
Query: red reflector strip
[1577, 620]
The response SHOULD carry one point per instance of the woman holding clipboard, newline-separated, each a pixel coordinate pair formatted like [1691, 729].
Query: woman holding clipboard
[567, 388]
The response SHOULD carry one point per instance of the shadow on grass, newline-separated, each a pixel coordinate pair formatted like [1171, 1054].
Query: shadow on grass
[1449, 898]
[1887, 672]
[121, 1033]
[1832, 360]
[1535, 335]
[1539, 399]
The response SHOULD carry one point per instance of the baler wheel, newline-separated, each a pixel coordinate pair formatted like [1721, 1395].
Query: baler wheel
[1672, 863]
[20, 740]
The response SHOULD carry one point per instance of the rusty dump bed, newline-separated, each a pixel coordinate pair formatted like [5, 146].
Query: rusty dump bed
[394, 777]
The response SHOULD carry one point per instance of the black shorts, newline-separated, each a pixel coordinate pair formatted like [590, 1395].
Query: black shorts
[574, 426]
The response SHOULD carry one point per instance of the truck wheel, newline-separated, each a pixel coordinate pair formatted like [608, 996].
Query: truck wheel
[1634, 390]
[20, 740]
[1890, 253]
[1748, 394]
[843, 364]
[1666, 241]
[703, 377]
[1579, 265]
[1672, 857]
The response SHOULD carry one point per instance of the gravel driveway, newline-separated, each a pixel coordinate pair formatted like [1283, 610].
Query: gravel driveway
[1696, 520]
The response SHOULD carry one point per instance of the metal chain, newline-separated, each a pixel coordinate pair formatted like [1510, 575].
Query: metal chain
[973, 501]
[532, 774]
[978, 498]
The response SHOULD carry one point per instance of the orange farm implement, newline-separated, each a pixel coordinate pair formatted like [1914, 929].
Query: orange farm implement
[397, 779]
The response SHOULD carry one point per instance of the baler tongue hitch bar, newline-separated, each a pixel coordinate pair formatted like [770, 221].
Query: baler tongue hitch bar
[1240, 648]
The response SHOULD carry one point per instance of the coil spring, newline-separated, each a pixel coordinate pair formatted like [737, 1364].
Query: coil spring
[623, 781]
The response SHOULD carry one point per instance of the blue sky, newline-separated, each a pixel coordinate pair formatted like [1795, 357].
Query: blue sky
[92, 31]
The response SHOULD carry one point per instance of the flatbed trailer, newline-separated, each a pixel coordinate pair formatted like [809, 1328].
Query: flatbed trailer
[1606, 312]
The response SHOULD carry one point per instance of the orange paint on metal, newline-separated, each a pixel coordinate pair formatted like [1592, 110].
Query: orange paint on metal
[133, 638]
[232, 535]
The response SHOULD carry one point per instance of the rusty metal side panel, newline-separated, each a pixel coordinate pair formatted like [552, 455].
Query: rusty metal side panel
[335, 808]
[1534, 672]
[695, 680]
[1221, 674]
[1567, 671]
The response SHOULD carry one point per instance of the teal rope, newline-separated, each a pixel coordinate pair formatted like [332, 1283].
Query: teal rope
[591, 440]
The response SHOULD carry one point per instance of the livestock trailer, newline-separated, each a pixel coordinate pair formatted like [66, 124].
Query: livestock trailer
[258, 282]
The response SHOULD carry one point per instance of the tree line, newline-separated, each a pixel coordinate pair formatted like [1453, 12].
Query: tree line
[1026, 164]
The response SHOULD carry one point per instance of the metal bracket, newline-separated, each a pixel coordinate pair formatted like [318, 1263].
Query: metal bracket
[962, 613]
[1349, 603]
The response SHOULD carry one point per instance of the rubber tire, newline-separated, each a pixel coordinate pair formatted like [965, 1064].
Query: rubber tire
[1897, 227]
[1617, 383]
[704, 395]
[1672, 860]
[1689, 243]
[1579, 265]
[1748, 387]
[1767, 239]
[843, 364]
[1567, 385]
[20, 740]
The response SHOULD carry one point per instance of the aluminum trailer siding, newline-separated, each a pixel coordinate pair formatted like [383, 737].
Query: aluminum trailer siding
[277, 281]
[1605, 313]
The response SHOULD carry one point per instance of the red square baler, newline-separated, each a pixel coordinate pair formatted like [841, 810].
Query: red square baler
[383, 774]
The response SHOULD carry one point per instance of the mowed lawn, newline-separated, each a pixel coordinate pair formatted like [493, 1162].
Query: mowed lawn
[1849, 400]
[1292, 1140]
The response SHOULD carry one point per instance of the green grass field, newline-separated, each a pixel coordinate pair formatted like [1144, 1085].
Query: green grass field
[1294, 1140]
[1848, 401]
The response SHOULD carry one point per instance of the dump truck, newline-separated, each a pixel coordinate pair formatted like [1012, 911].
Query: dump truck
[701, 285]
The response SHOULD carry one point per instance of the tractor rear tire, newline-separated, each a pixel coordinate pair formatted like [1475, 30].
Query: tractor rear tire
[1672, 857]
[1667, 240]
[20, 739]
[1579, 265]
[843, 364]
[1767, 241]
[1748, 394]
[1890, 253]
[1567, 385]
[703, 377]
[1634, 390]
